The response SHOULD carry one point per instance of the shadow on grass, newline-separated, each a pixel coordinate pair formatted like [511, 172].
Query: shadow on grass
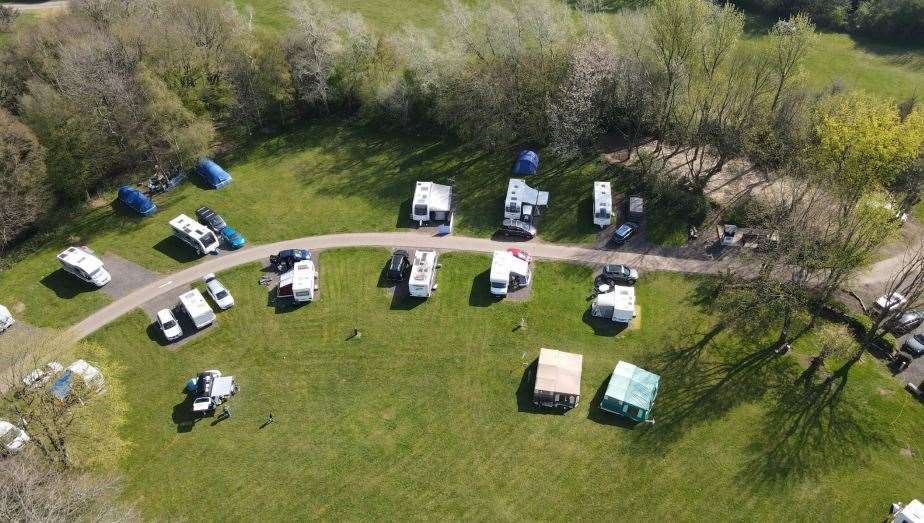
[176, 249]
[602, 326]
[66, 286]
[480, 294]
[525, 390]
[401, 299]
[598, 415]
[183, 416]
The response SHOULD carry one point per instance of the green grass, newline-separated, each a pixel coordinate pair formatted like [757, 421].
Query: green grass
[424, 417]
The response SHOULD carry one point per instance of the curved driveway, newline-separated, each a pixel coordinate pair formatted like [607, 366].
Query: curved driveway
[414, 239]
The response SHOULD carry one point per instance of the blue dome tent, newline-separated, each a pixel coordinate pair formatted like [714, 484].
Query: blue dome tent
[136, 200]
[527, 163]
[213, 174]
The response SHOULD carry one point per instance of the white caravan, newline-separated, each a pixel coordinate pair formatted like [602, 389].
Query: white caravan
[193, 233]
[92, 377]
[432, 202]
[84, 265]
[636, 208]
[42, 374]
[198, 310]
[6, 319]
[422, 281]
[603, 204]
[523, 202]
[300, 284]
[510, 268]
[12, 438]
[617, 304]
[913, 512]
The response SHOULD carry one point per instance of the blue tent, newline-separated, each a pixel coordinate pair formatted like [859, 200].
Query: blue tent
[136, 200]
[527, 163]
[213, 174]
[63, 385]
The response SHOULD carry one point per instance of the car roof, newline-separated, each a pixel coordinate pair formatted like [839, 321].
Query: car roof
[165, 314]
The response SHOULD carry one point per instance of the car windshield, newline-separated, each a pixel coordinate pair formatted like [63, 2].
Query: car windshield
[919, 338]
[169, 324]
[94, 273]
[624, 230]
[498, 284]
[221, 295]
[208, 239]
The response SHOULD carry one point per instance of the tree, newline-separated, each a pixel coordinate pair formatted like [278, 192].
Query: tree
[23, 181]
[8, 16]
[312, 48]
[790, 40]
[834, 341]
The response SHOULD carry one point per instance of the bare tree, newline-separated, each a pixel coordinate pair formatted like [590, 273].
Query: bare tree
[791, 40]
[8, 16]
[23, 181]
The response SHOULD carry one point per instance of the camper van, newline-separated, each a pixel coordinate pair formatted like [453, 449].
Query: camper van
[300, 284]
[422, 281]
[196, 235]
[523, 202]
[432, 203]
[198, 310]
[510, 268]
[84, 265]
[211, 389]
[617, 305]
[603, 205]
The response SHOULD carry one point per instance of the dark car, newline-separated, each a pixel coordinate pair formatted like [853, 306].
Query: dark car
[210, 219]
[619, 274]
[914, 345]
[398, 266]
[518, 228]
[624, 232]
[283, 261]
[908, 321]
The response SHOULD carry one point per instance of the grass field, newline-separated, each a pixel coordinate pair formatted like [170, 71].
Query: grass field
[427, 416]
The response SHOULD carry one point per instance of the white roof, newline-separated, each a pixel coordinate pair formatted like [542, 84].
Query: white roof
[913, 512]
[424, 262]
[4, 313]
[222, 386]
[620, 298]
[520, 193]
[504, 263]
[559, 371]
[88, 372]
[302, 275]
[77, 257]
[194, 302]
[603, 198]
[435, 196]
[189, 226]
[636, 205]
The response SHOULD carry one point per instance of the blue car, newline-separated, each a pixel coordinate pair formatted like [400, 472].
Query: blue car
[233, 238]
[136, 200]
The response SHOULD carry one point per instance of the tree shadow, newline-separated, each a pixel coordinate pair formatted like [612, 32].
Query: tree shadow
[602, 326]
[524, 394]
[480, 293]
[176, 249]
[66, 286]
[598, 415]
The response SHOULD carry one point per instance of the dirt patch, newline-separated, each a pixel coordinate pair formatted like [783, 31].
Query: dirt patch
[520, 295]
[884, 392]
[19, 307]
[907, 452]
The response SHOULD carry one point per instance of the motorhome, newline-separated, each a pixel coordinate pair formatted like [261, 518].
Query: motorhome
[510, 269]
[198, 310]
[210, 390]
[617, 304]
[300, 284]
[432, 203]
[80, 262]
[523, 202]
[422, 281]
[193, 233]
[603, 204]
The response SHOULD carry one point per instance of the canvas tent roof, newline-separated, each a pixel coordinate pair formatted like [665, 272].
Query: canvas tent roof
[136, 200]
[527, 163]
[517, 190]
[633, 385]
[213, 174]
[559, 371]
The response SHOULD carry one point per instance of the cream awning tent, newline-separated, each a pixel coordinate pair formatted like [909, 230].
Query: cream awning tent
[558, 377]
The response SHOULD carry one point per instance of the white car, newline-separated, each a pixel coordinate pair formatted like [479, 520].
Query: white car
[891, 302]
[12, 437]
[42, 374]
[218, 292]
[168, 325]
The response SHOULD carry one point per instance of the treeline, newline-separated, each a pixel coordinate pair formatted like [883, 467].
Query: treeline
[890, 20]
[116, 90]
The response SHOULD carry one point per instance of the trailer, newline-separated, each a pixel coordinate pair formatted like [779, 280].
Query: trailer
[198, 310]
[210, 389]
[194, 234]
[524, 202]
[432, 202]
[603, 205]
[81, 262]
[299, 284]
[616, 304]
[422, 281]
[510, 269]
[636, 209]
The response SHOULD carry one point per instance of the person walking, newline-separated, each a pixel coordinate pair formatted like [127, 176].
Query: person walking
[226, 412]
[270, 420]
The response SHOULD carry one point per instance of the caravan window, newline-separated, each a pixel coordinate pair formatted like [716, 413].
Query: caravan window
[498, 284]
[603, 213]
[633, 411]
[420, 210]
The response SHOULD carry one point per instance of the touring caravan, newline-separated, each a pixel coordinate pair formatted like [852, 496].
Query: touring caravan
[432, 203]
[618, 304]
[198, 310]
[510, 268]
[299, 284]
[422, 281]
[603, 204]
[523, 202]
[196, 235]
[83, 264]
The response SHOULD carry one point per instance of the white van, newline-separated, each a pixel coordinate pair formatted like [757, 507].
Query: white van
[422, 281]
[198, 310]
[193, 233]
[83, 264]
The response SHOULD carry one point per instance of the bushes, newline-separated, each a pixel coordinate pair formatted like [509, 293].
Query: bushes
[23, 183]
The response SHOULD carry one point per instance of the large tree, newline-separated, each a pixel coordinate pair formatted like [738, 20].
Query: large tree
[23, 182]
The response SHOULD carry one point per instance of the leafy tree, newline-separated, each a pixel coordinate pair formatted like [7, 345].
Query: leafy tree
[23, 182]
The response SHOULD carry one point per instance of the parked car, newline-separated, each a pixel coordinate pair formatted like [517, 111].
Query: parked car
[168, 325]
[234, 239]
[218, 292]
[914, 345]
[909, 320]
[624, 232]
[42, 374]
[728, 234]
[620, 274]
[283, 261]
[12, 437]
[518, 228]
[890, 303]
[210, 218]
[398, 266]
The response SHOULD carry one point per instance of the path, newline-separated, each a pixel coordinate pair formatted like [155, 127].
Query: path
[41, 6]
[166, 284]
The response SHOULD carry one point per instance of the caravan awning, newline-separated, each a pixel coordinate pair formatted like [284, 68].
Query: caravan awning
[527, 163]
[633, 385]
[559, 372]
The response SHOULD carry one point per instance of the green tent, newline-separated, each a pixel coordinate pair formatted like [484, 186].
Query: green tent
[631, 392]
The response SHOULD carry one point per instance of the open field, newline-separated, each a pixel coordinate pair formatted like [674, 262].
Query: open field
[427, 415]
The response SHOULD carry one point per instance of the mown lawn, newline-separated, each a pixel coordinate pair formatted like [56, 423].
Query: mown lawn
[427, 415]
